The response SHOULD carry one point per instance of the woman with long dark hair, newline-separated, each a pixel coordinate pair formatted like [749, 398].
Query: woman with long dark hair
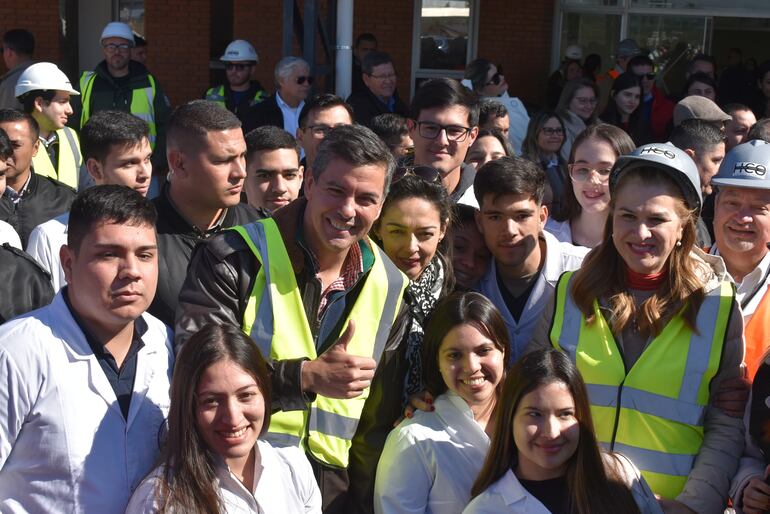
[544, 456]
[653, 326]
[624, 108]
[431, 460]
[214, 460]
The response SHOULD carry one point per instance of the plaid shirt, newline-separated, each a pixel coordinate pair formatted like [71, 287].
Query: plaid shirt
[351, 269]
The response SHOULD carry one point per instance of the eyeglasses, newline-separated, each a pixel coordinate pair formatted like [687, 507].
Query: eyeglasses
[112, 47]
[430, 130]
[301, 80]
[648, 76]
[550, 131]
[582, 100]
[383, 77]
[496, 78]
[582, 173]
[237, 66]
[427, 173]
[322, 130]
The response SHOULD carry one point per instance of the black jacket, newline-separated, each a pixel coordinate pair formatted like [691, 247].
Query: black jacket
[266, 113]
[44, 198]
[366, 106]
[24, 284]
[217, 289]
[176, 241]
[245, 108]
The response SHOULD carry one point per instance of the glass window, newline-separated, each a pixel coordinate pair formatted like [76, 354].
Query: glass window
[701, 5]
[132, 12]
[595, 33]
[672, 42]
[445, 28]
[604, 3]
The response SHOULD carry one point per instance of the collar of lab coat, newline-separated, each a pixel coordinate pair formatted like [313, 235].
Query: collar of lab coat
[64, 327]
[512, 492]
[460, 425]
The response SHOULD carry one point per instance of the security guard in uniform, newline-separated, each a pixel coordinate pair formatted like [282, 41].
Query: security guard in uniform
[44, 91]
[333, 327]
[240, 93]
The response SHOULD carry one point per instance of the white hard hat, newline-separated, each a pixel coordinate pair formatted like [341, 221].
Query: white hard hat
[43, 76]
[240, 50]
[574, 52]
[118, 29]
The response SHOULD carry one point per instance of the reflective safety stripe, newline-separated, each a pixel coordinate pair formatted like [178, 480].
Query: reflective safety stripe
[67, 169]
[216, 94]
[698, 359]
[332, 423]
[282, 440]
[657, 462]
[647, 403]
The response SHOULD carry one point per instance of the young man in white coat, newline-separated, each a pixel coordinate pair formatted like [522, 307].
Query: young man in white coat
[86, 378]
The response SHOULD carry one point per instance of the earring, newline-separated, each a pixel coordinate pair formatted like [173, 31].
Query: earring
[679, 243]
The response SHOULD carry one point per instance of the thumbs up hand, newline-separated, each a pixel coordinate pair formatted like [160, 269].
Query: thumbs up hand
[337, 373]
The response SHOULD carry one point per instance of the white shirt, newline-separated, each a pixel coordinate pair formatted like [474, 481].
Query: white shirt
[64, 443]
[518, 119]
[9, 235]
[286, 485]
[559, 257]
[45, 240]
[290, 114]
[755, 283]
[430, 461]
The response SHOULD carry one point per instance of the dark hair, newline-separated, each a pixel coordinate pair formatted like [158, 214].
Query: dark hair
[612, 114]
[734, 107]
[760, 130]
[699, 77]
[696, 135]
[570, 90]
[700, 57]
[412, 186]
[510, 176]
[189, 465]
[591, 65]
[455, 310]
[321, 102]
[139, 41]
[107, 203]
[20, 41]
[618, 140]
[591, 487]
[269, 137]
[529, 148]
[107, 128]
[373, 59]
[27, 100]
[762, 70]
[13, 115]
[365, 36]
[443, 93]
[356, 145]
[6, 147]
[195, 119]
[639, 60]
[389, 127]
[495, 133]
[476, 71]
[463, 215]
[489, 110]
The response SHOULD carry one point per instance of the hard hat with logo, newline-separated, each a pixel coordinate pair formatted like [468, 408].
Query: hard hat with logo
[668, 158]
[239, 50]
[747, 165]
[44, 76]
[118, 29]
[574, 52]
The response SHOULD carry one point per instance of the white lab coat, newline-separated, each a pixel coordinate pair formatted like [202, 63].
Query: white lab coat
[45, 240]
[508, 496]
[559, 257]
[64, 443]
[286, 485]
[9, 235]
[430, 461]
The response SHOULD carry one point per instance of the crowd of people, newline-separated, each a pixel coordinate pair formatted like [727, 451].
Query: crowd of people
[295, 302]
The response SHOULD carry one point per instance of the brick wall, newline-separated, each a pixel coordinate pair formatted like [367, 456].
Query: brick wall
[261, 23]
[46, 28]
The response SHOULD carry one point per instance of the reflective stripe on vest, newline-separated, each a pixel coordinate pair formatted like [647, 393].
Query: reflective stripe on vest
[757, 335]
[217, 94]
[142, 105]
[654, 413]
[329, 425]
[70, 160]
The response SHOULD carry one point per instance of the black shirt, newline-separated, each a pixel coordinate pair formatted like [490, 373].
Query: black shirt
[515, 304]
[121, 378]
[552, 493]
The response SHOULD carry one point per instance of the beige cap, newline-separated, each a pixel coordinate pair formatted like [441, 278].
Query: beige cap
[700, 108]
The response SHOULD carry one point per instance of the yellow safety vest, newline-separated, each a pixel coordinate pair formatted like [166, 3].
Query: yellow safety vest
[217, 94]
[327, 428]
[141, 103]
[67, 170]
[654, 413]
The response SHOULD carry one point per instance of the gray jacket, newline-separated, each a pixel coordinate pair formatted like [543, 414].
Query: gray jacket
[8, 86]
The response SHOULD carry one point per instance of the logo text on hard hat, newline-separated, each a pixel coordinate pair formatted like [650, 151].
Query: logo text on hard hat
[749, 168]
[658, 151]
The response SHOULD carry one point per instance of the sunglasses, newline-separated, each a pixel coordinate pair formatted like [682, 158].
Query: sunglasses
[648, 76]
[301, 80]
[427, 173]
[237, 67]
[496, 78]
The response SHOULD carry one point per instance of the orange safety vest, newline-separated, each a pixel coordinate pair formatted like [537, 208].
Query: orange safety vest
[757, 334]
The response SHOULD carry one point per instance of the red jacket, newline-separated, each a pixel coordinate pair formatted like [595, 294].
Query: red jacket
[661, 115]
